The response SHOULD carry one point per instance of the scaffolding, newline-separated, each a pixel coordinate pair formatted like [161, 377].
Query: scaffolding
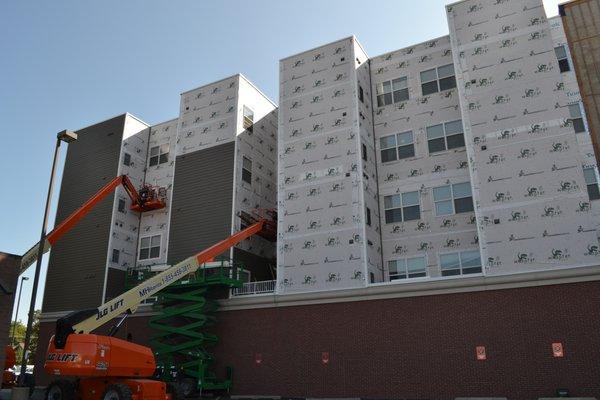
[185, 315]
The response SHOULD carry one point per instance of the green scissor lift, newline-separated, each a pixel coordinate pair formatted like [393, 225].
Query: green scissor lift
[185, 313]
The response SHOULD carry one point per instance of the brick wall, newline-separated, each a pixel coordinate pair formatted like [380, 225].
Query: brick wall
[9, 268]
[418, 347]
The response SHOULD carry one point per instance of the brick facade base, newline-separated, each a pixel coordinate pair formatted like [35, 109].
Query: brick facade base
[417, 347]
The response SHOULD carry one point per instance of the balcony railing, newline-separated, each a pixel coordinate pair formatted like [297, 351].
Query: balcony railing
[254, 288]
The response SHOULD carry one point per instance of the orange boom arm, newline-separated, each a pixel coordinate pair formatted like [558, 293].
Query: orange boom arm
[146, 200]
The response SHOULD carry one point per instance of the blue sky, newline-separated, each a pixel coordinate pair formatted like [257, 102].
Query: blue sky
[68, 64]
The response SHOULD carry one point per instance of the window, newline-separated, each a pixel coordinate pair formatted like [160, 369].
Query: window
[121, 206]
[361, 94]
[247, 170]
[127, 159]
[372, 277]
[364, 151]
[402, 207]
[407, 268]
[248, 118]
[159, 154]
[592, 183]
[368, 214]
[149, 247]
[446, 136]
[393, 91]
[397, 147]
[576, 118]
[563, 61]
[453, 199]
[115, 256]
[438, 79]
[460, 263]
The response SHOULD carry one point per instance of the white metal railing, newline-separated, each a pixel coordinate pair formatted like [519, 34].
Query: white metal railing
[254, 288]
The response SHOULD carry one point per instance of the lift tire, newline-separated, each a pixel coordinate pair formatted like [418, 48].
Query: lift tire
[30, 383]
[60, 389]
[175, 389]
[117, 391]
[189, 386]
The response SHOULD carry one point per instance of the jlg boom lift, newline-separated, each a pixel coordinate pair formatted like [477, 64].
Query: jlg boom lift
[147, 199]
[108, 368]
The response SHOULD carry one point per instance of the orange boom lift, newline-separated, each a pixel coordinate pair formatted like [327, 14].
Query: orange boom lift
[9, 378]
[108, 368]
[147, 199]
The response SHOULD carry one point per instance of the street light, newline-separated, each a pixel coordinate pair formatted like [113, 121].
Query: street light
[12, 338]
[67, 137]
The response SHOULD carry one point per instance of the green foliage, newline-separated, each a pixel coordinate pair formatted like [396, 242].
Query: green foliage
[19, 337]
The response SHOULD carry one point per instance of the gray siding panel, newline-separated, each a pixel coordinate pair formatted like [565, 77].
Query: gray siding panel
[202, 201]
[115, 283]
[78, 260]
[261, 268]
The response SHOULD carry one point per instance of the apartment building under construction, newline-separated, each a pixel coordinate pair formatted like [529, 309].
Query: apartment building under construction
[438, 222]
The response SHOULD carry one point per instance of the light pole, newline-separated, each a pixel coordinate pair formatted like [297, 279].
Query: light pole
[12, 337]
[67, 137]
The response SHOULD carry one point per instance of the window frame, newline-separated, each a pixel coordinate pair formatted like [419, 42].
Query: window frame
[383, 95]
[159, 155]
[397, 147]
[460, 268]
[401, 207]
[594, 193]
[437, 79]
[577, 120]
[562, 60]
[121, 209]
[112, 257]
[445, 136]
[407, 274]
[452, 198]
[140, 248]
[247, 118]
[248, 171]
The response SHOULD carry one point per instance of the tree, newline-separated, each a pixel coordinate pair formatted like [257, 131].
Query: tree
[35, 335]
[19, 337]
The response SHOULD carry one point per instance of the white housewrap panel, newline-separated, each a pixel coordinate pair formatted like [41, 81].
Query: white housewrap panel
[320, 179]
[124, 231]
[157, 222]
[523, 152]
[429, 235]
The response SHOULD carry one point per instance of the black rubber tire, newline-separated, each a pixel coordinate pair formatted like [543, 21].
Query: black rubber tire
[188, 386]
[60, 389]
[117, 391]
[30, 383]
[175, 389]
